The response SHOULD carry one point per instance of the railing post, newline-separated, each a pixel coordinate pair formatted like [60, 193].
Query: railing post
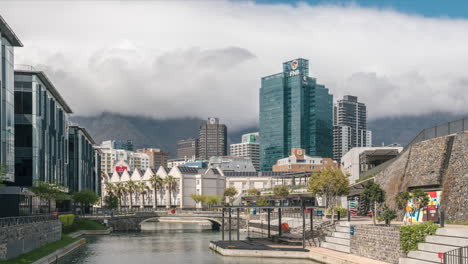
[279, 221]
[460, 255]
[222, 226]
[238, 223]
[269, 227]
[229, 226]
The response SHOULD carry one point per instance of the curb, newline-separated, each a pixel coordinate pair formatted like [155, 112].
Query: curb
[60, 253]
[91, 232]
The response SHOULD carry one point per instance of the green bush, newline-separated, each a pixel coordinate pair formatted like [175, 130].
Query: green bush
[67, 219]
[343, 211]
[388, 215]
[411, 235]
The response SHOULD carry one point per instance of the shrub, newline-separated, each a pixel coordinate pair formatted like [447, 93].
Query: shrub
[67, 219]
[281, 190]
[253, 191]
[388, 215]
[411, 235]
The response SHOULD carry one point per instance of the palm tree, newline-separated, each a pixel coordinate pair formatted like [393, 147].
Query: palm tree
[120, 191]
[171, 186]
[142, 187]
[131, 188]
[110, 189]
[157, 183]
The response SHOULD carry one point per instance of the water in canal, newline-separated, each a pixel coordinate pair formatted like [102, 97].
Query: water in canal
[160, 246]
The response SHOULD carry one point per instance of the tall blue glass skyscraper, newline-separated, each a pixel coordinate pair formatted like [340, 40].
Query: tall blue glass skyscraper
[295, 112]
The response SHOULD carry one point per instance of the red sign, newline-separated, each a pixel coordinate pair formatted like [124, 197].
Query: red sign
[120, 168]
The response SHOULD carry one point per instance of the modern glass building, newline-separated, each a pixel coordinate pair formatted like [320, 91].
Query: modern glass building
[41, 125]
[295, 112]
[8, 41]
[84, 168]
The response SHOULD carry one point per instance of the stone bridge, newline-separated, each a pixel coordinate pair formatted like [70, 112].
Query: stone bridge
[133, 222]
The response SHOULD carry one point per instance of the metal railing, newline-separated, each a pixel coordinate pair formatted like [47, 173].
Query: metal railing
[21, 220]
[456, 256]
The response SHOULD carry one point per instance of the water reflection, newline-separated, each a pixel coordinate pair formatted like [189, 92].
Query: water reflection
[176, 225]
[158, 247]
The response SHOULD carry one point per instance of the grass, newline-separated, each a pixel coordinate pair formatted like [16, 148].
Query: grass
[38, 253]
[83, 224]
[457, 222]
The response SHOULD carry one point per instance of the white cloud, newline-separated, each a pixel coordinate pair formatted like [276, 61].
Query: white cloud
[177, 59]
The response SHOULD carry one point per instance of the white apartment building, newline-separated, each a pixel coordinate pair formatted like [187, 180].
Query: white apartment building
[111, 157]
[229, 163]
[249, 148]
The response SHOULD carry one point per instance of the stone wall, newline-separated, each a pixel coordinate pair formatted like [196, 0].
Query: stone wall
[377, 242]
[454, 198]
[20, 239]
[437, 163]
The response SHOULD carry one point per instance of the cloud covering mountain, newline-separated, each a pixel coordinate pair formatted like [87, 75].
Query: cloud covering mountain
[192, 59]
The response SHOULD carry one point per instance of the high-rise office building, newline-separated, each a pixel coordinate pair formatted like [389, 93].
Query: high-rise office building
[350, 126]
[122, 144]
[8, 40]
[41, 138]
[157, 157]
[84, 169]
[249, 148]
[212, 140]
[295, 112]
[187, 149]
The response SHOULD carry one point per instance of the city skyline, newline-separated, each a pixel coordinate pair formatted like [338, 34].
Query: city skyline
[230, 65]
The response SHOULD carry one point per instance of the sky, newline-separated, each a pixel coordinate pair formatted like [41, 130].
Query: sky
[174, 59]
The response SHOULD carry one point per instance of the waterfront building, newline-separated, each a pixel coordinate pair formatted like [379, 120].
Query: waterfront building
[212, 140]
[111, 157]
[299, 161]
[189, 181]
[350, 126]
[118, 144]
[187, 149]
[41, 137]
[84, 170]
[157, 157]
[8, 40]
[249, 148]
[231, 163]
[295, 112]
[351, 161]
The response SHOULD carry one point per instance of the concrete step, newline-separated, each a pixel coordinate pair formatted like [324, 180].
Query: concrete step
[343, 223]
[424, 255]
[449, 241]
[414, 261]
[340, 241]
[436, 248]
[336, 247]
[342, 229]
[341, 235]
[454, 232]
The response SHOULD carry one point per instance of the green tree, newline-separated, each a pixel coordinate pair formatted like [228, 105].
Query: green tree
[120, 192]
[253, 192]
[49, 192]
[281, 190]
[198, 198]
[262, 202]
[420, 200]
[211, 200]
[85, 198]
[375, 195]
[329, 183]
[111, 201]
[143, 190]
[401, 200]
[230, 193]
[171, 187]
[158, 184]
[131, 188]
[388, 215]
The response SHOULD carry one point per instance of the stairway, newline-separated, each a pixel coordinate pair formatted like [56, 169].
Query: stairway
[445, 239]
[339, 239]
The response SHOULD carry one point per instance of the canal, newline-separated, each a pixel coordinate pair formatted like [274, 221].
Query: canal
[158, 246]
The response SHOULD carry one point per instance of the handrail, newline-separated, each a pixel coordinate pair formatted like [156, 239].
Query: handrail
[21, 220]
[456, 256]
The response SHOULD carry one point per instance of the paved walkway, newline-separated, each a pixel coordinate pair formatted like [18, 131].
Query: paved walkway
[332, 256]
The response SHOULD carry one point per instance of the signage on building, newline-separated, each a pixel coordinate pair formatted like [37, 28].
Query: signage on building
[252, 138]
[120, 168]
[294, 65]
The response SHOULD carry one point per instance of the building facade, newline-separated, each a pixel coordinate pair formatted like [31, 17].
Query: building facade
[248, 148]
[231, 163]
[187, 149]
[111, 158]
[299, 161]
[8, 41]
[84, 170]
[350, 162]
[350, 126]
[212, 140]
[295, 112]
[41, 137]
[157, 157]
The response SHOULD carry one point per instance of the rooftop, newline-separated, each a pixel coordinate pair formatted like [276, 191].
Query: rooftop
[9, 34]
[85, 132]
